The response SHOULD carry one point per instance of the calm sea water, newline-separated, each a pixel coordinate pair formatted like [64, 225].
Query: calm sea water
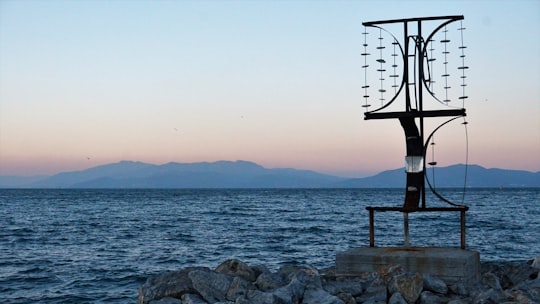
[99, 246]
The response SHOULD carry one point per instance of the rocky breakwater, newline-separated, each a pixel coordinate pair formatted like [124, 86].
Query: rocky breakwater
[236, 282]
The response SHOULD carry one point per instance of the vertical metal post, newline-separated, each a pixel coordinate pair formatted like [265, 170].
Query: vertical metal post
[406, 67]
[462, 218]
[371, 228]
[406, 229]
[419, 87]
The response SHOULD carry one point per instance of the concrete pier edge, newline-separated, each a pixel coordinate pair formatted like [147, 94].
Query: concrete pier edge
[451, 265]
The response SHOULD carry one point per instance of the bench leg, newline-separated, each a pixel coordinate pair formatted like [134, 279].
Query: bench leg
[371, 228]
[405, 229]
[463, 244]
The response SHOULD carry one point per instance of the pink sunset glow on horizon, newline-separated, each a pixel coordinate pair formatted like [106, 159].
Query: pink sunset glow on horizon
[86, 83]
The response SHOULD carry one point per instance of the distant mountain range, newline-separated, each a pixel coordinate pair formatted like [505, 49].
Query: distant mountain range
[244, 174]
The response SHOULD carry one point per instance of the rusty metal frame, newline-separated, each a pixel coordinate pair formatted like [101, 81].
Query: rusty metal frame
[460, 209]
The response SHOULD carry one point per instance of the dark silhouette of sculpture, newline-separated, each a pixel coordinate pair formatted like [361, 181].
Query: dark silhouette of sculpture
[410, 73]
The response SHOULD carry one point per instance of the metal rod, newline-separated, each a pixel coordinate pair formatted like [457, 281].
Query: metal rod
[463, 243]
[406, 229]
[427, 113]
[420, 87]
[406, 66]
[371, 228]
[427, 209]
[452, 17]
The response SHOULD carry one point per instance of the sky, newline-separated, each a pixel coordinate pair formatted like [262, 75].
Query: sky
[86, 83]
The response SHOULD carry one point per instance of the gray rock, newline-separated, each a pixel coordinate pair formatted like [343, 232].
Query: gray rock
[347, 298]
[510, 274]
[260, 269]
[190, 298]
[434, 284]
[459, 301]
[237, 268]
[518, 296]
[397, 298]
[531, 289]
[170, 284]
[236, 282]
[210, 285]
[427, 297]
[374, 293]
[492, 281]
[319, 296]
[166, 300]
[310, 279]
[408, 285]
[386, 273]
[268, 281]
[353, 286]
[536, 262]
[459, 289]
[289, 271]
[292, 292]
[521, 272]
[258, 297]
[489, 296]
[238, 288]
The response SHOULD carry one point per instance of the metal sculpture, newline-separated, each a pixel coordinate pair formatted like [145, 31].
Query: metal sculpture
[408, 75]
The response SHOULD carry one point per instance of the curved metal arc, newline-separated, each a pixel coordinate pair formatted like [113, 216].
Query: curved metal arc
[426, 86]
[438, 29]
[424, 80]
[402, 80]
[424, 50]
[437, 194]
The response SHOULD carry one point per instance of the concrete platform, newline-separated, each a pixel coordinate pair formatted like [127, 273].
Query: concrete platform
[451, 265]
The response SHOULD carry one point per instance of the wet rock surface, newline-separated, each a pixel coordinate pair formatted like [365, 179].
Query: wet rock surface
[234, 281]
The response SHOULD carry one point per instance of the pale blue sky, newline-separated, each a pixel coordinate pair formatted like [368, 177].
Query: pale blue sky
[84, 83]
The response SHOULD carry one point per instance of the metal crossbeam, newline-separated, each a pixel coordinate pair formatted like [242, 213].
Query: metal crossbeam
[453, 18]
[433, 113]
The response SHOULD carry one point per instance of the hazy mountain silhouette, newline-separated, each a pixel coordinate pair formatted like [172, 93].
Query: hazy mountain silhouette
[451, 177]
[221, 174]
[244, 174]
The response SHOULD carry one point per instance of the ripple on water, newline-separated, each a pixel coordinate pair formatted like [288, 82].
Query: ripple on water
[88, 246]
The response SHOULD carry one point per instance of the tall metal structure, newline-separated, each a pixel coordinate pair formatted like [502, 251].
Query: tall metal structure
[409, 74]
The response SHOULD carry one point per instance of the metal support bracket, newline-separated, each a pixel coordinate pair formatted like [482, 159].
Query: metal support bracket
[372, 210]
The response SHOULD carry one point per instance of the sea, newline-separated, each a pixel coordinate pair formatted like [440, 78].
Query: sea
[100, 246]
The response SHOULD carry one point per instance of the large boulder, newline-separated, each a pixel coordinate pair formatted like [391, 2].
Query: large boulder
[235, 282]
[189, 298]
[167, 300]
[171, 284]
[374, 293]
[408, 285]
[212, 286]
[239, 287]
[270, 280]
[434, 284]
[428, 297]
[536, 262]
[320, 296]
[237, 268]
[292, 292]
[258, 297]
[489, 296]
[397, 298]
[492, 281]
[510, 274]
[352, 286]
[531, 289]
